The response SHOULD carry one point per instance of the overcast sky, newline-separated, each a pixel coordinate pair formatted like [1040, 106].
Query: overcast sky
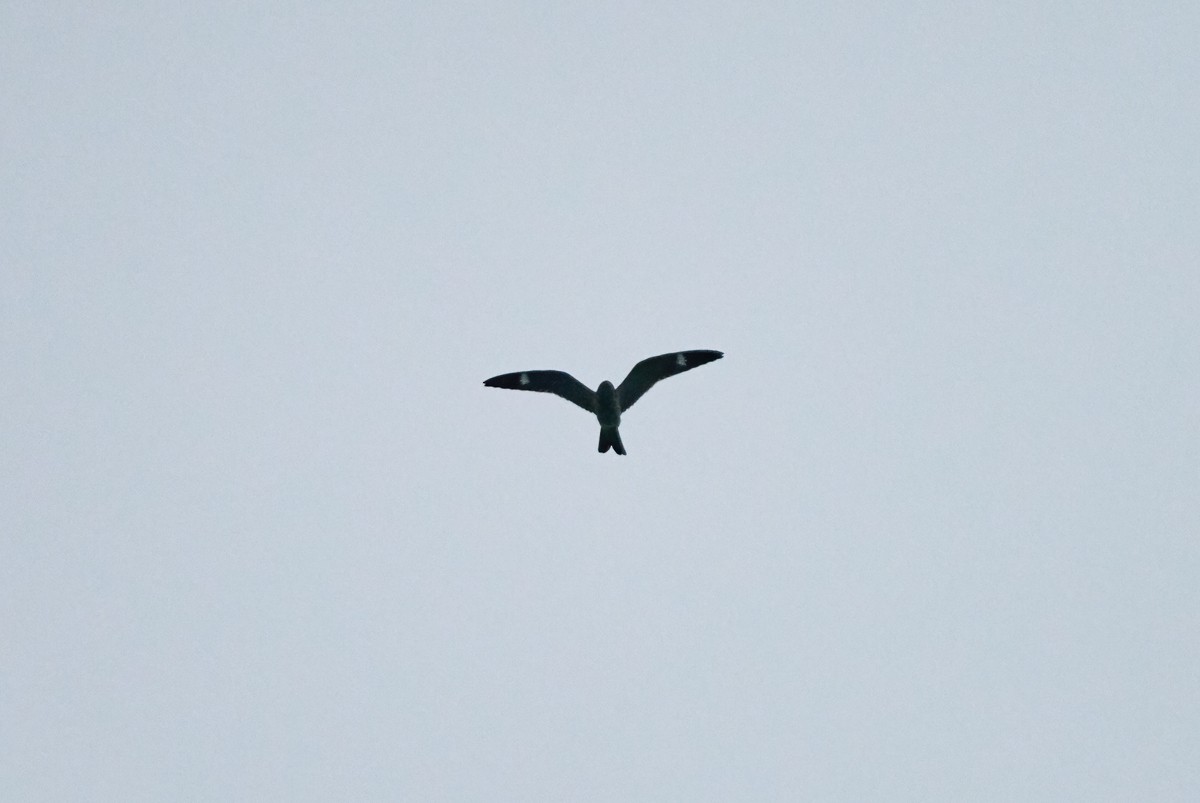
[928, 532]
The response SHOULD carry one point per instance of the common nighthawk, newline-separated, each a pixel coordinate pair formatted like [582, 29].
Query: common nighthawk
[607, 402]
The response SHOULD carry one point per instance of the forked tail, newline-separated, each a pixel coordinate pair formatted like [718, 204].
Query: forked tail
[610, 438]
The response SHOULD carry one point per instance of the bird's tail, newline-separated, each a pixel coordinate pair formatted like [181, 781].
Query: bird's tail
[610, 438]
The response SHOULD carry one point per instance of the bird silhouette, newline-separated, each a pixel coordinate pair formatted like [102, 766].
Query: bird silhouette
[607, 402]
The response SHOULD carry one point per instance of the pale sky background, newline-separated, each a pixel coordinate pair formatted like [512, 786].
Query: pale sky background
[928, 532]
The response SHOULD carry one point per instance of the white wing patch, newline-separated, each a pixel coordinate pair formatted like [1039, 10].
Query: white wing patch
[524, 379]
[680, 361]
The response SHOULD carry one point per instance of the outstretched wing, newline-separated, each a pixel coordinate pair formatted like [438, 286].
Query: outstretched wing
[648, 371]
[557, 382]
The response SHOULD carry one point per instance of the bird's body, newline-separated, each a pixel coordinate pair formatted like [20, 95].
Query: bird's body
[606, 402]
[608, 413]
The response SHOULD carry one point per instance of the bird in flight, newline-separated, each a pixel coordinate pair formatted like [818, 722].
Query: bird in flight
[607, 402]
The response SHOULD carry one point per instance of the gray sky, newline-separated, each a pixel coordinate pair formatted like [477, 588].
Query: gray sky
[928, 532]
